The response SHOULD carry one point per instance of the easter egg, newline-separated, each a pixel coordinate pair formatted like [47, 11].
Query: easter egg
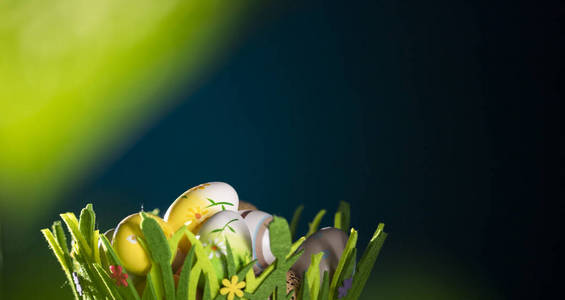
[199, 203]
[257, 221]
[331, 241]
[125, 243]
[225, 226]
[246, 205]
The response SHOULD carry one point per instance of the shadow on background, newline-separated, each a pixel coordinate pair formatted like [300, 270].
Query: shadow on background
[435, 118]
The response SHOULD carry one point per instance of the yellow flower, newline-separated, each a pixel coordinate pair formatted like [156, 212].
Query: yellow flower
[233, 287]
[197, 213]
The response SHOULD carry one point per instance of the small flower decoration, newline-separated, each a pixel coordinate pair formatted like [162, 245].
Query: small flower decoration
[121, 278]
[342, 290]
[217, 248]
[232, 288]
[197, 214]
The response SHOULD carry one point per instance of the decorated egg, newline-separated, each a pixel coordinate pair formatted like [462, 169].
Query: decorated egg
[225, 226]
[125, 242]
[331, 241]
[257, 221]
[199, 203]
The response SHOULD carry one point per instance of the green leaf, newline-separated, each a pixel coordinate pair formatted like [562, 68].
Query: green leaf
[313, 227]
[366, 263]
[305, 290]
[182, 288]
[72, 225]
[160, 252]
[203, 262]
[295, 246]
[207, 294]
[59, 233]
[313, 274]
[108, 282]
[229, 259]
[193, 280]
[129, 292]
[87, 222]
[343, 216]
[279, 235]
[149, 292]
[245, 269]
[349, 246]
[60, 255]
[325, 288]
[295, 220]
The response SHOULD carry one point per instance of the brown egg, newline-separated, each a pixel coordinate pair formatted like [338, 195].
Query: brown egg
[292, 284]
[246, 205]
[331, 241]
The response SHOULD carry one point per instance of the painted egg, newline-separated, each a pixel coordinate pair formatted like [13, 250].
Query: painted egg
[125, 242]
[331, 241]
[199, 203]
[257, 222]
[225, 226]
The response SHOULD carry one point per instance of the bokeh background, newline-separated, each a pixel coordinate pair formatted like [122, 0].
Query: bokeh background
[441, 119]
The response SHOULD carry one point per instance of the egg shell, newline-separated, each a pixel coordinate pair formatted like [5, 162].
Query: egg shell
[246, 206]
[331, 241]
[257, 221]
[125, 243]
[197, 204]
[225, 226]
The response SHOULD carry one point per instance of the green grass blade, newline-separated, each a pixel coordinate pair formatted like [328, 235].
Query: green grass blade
[59, 233]
[325, 288]
[203, 261]
[207, 294]
[295, 220]
[73, 226]
[109, 284]
[343, 216]
[295, 246]
[305, 290]
[86, 223]
[246, 269]
[182, 287]
[149, 292]
[60, 255]
[313, 275]
[351, 243]
[313, 226]
[366, 263]
[193, 280]
[158, 247]
[129, 292]
[229, 260]
[280, 238]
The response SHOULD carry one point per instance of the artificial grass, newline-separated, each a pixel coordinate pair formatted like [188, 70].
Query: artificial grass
[94, 270]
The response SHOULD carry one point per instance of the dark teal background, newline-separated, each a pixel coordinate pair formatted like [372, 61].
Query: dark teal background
[440, 119]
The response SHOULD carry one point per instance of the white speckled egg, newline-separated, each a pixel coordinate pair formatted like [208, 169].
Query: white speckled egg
[197, 204]
[257, 221]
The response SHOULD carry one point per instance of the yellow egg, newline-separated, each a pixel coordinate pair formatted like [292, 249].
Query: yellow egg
[126, 244]
[199, 203]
